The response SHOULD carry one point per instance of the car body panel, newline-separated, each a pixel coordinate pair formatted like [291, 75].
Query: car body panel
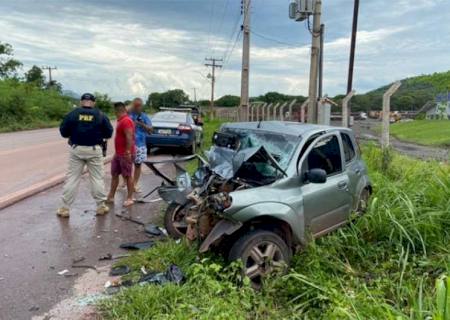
[310, 209]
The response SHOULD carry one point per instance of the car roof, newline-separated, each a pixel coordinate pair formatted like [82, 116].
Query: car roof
[285, 127]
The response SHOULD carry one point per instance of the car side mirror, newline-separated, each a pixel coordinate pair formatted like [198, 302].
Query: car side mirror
[316, 176]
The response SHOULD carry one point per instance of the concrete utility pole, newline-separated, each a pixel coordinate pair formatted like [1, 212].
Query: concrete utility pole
[322, 36]
[387, 113]
[212, 62]
[50, 80]
[345, 108]
[245, 57]
[195, 94]
[315, 50]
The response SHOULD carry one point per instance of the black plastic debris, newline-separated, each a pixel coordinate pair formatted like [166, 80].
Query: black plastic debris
[137, 245]
[119, 271]
[153, 230]
[173, 274]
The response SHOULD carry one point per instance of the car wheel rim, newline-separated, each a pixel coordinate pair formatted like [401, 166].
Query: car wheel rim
[261, 260]
[178, 220]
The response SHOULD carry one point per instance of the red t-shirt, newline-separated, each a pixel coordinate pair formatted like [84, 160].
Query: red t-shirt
[120, 141]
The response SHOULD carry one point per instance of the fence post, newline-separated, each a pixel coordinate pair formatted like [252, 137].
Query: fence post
[275, 109]
[250, 112]
[302, 110]
[386, 113]
[345, 102]
[266, 111]
[260, 107]
[281, 115]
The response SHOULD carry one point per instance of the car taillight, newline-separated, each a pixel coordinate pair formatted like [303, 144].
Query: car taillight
[184, 128]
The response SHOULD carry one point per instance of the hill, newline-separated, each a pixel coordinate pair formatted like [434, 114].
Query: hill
[412, 95]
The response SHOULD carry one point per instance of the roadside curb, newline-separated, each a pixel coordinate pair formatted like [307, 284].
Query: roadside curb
[17, 196]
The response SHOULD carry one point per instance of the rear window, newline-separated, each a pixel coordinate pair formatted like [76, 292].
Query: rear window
[170, 117]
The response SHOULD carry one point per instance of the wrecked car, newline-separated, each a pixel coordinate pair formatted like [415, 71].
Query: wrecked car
[265, 189]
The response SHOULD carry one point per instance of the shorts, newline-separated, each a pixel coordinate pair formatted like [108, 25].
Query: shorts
[121, 165]
[141, 155]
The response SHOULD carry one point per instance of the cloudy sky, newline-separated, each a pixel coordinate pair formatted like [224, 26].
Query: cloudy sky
[133, 47]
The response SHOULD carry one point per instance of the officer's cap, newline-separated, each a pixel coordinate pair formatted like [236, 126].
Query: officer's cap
[88, 96]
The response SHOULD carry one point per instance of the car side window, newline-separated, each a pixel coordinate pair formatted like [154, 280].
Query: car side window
[326, 155]
[349, 149]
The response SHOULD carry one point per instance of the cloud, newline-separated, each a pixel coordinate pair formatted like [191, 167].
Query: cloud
[139, 47]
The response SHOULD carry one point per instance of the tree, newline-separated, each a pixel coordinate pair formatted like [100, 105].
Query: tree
[103, 102]
[8, 65]
[171, 98]
[228, 101]
[55, 85]
[35, 76]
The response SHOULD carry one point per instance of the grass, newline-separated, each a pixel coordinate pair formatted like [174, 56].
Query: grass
[425, 132]
[392, 263]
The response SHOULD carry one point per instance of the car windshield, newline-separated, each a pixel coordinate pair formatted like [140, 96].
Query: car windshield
[177, 117]
[280, 146]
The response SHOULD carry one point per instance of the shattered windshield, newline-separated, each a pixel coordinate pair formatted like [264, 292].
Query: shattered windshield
[280, 146]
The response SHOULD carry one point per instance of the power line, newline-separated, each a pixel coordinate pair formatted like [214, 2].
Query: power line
[275, 40]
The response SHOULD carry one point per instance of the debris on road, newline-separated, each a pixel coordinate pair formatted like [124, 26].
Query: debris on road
[173, 274]
[119, 271]
[109, 256]
[78, 260]
[63, 272]
[137, 245]
[153, 230]
[85, 267]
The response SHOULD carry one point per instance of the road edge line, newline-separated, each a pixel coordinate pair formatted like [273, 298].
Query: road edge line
[39, 187]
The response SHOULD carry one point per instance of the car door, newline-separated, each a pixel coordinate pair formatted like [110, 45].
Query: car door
[326, 206]
[353, 167]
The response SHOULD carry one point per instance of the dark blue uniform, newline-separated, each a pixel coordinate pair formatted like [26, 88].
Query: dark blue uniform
[86, 127]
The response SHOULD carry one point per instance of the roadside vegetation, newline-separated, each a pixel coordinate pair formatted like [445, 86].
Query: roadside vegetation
[425, 132]
[392, 263]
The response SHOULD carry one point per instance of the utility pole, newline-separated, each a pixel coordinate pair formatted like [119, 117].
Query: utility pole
[352, 50]
[195, 94]
[212, 62]
[322, 36]
[315, 50]
[50, 80]
[245, 59]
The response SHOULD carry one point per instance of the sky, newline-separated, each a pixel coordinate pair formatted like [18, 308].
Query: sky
[134, 47]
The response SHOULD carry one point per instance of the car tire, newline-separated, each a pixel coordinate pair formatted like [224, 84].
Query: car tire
[363, 201]
[261, 252]
[174, 221]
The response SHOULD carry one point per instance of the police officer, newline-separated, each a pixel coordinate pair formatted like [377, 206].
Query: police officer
[86, 128]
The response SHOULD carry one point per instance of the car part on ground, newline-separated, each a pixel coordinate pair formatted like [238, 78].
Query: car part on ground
[265, 189]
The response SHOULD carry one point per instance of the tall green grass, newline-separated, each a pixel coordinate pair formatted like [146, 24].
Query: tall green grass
[392, 263]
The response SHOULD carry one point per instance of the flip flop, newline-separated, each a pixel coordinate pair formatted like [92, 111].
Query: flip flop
[128, 203]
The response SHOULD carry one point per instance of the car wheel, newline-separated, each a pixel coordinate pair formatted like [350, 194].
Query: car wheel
[174, 220]
[262, 253]
[363, 201]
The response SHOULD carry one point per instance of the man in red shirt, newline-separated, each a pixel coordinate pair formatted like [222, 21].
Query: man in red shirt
[122, 163]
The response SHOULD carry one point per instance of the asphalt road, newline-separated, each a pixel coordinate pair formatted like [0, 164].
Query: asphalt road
[35, 245]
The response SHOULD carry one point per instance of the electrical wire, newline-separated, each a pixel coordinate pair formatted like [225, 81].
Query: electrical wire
[293, 45]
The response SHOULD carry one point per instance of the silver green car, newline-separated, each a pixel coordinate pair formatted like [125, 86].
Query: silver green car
[267, 188]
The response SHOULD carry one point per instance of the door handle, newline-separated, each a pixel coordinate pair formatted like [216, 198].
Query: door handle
[342, 185]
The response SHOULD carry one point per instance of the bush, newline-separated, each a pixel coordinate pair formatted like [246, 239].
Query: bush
[25, 106]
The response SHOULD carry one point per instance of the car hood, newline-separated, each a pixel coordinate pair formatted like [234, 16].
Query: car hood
[228, 163]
